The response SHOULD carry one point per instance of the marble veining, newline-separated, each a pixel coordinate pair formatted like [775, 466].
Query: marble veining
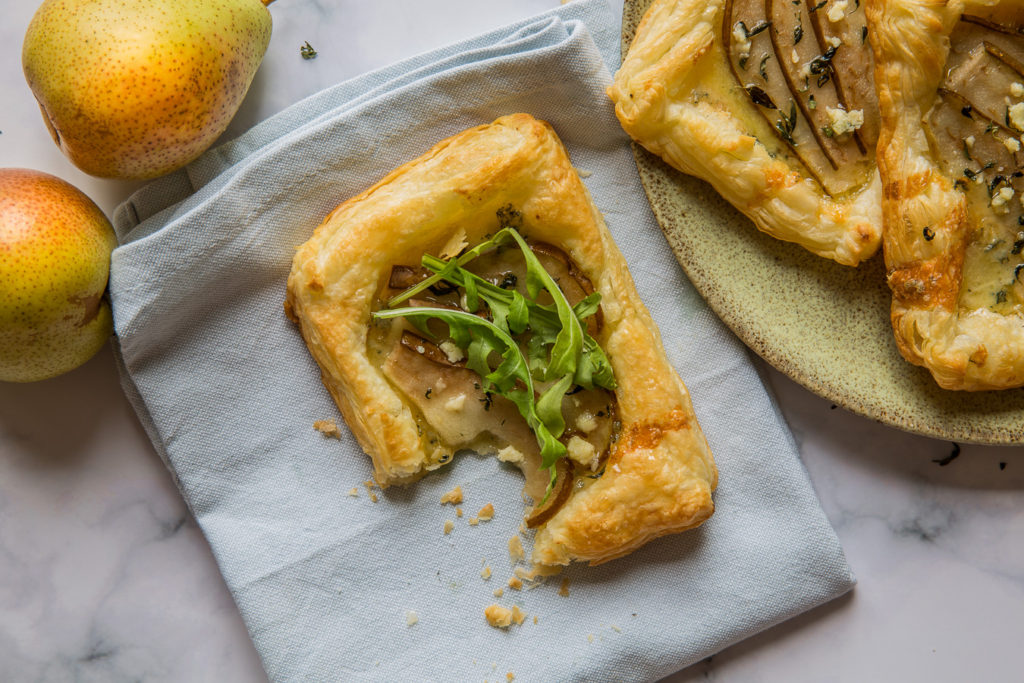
[105, 577]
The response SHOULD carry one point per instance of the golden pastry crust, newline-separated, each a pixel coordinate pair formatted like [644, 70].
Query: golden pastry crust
[677, 95]
[659, 475]
[953, 277]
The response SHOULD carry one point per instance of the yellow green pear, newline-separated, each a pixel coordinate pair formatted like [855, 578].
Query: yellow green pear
[55, 246]
[135, 89]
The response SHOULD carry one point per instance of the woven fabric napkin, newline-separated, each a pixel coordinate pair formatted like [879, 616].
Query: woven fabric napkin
[327, 582]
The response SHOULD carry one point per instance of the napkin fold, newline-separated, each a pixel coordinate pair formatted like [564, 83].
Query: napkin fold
[327, 576]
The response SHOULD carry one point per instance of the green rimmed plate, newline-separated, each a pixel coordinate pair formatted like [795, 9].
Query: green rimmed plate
[824, 325]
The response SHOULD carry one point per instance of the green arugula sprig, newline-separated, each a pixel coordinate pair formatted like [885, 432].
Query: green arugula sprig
[559, 349]
[479, 338]
[556, 327]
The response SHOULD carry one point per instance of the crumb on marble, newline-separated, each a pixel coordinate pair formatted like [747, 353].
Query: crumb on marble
[327, 428]
[454, 496]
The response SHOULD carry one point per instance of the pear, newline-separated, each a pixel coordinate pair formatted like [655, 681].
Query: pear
[134, 89]
[55, 246]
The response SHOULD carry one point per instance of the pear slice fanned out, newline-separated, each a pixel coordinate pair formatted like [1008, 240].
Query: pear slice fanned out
[791, 62]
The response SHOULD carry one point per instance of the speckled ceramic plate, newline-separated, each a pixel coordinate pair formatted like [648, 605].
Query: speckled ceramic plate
[822, 324]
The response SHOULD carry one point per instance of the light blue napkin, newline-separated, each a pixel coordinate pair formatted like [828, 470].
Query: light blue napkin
[327, 582]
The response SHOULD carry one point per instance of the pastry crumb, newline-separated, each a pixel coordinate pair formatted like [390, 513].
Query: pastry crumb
[563, 590]
[373, 497]
[515, 549]
[454, 496]
[411, 618]
[473, 521]
[485, 573]
[486, 513]
[511, 454]
[510, 676]
[590, 637]
[616, 628]
[354, 492]
[458, 512]
[498, 616]
[535, 618]
[498, 592]
[448, 526]
[515, 583]
[518, 615]
[327, 428]
[532, 578]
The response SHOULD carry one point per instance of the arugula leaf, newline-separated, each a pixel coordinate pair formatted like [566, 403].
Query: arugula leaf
[511, 378]
[572, 350]
[558, 349]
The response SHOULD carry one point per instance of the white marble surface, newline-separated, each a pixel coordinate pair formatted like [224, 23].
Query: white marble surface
[105, 577]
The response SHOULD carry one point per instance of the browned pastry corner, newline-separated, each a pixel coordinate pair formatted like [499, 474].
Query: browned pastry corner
[637, 467]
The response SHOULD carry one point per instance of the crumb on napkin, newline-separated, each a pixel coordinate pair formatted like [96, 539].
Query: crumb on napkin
[454, 496]
[486, 513]
[515, 549]
[327, 428]
[498, 616]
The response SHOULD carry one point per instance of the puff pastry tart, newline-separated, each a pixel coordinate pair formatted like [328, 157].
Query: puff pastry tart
[770, 101]
[474, 299]
[950, 79]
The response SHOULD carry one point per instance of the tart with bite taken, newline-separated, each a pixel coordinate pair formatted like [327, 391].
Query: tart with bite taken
[474, 299]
